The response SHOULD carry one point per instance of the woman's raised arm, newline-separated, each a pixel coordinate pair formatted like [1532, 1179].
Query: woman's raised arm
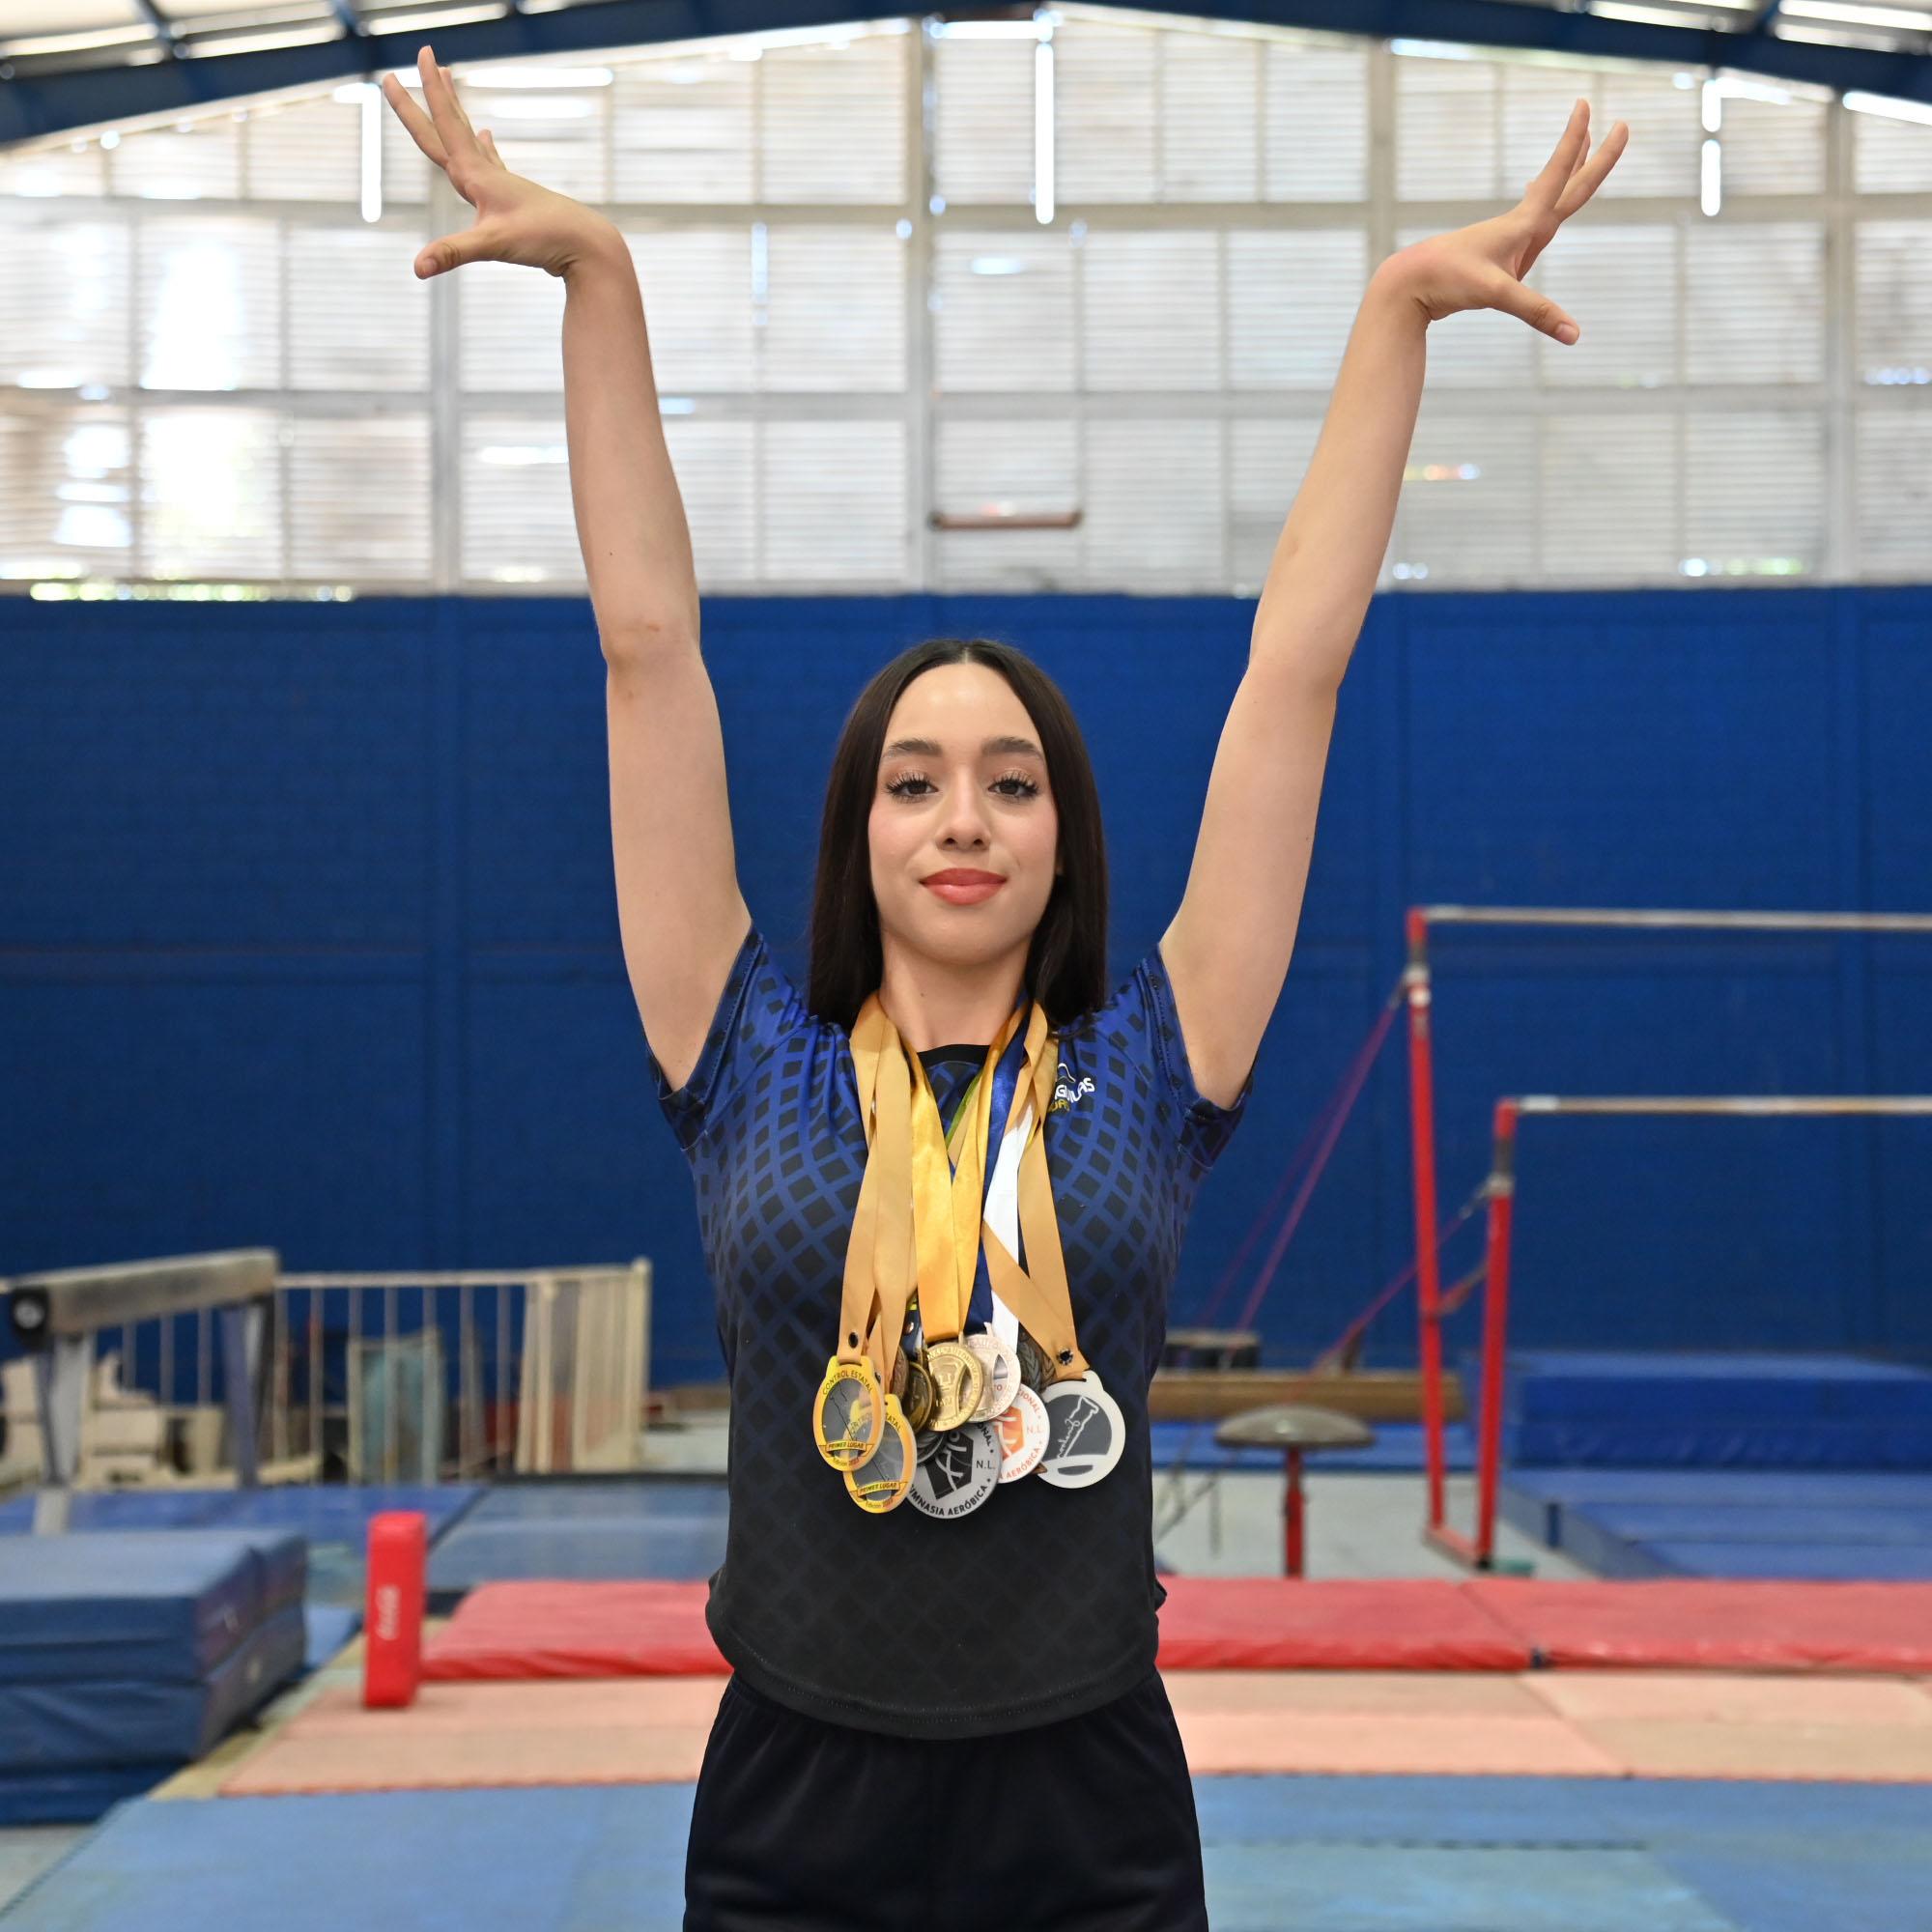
[679, 909]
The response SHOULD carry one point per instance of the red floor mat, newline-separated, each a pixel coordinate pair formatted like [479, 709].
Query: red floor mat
[1686, 1625]
[1209, 1623]
[577, 1629]
[1271, 1623]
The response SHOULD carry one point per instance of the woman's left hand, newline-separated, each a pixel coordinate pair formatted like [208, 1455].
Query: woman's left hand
[1483, 266]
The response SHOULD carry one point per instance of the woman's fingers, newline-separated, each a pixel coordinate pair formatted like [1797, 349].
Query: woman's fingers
[421, 131]
[459, 138]
[1587, 181]
[1545, 189]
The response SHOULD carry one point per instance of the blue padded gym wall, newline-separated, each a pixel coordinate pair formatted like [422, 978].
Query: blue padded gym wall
[309, 938]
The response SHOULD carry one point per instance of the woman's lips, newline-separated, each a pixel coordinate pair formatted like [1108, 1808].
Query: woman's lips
[960, 891]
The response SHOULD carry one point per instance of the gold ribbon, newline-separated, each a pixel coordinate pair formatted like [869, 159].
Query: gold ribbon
[921, 1197]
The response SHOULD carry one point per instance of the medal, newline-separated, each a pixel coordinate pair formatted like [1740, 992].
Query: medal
[925, 1443]
[916, 1398]
[961, 1474]
[1086, 1432]
[886, 1479]
[1002, 1364]
[958, 1381]
[1023, 1434]
[847, 1417]
[1036, 1371]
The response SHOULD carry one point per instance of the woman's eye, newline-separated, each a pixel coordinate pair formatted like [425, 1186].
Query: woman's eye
[902, 787]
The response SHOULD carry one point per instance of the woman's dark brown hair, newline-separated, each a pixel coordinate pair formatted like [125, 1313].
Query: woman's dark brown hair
[1067, 963]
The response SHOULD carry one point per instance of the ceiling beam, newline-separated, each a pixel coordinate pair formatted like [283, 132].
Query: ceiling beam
[105, 96]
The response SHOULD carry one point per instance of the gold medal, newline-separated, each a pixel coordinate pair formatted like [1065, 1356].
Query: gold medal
[889, 1473]
[958, 1381]
[847, 1417]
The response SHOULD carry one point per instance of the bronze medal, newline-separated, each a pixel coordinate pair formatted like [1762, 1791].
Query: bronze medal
[958, 1381]
[1035, 1367]
[1023, 1434]
[916, 1398]
[886, 1479]
[848, 1415]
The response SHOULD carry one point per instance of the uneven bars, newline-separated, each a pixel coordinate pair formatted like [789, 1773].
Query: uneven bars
[1615, 916]
[1481, 1552]
[1738, 1103]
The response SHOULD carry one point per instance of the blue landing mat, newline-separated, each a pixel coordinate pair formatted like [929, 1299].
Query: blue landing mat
[1398, 1445]
[1310, 1854]
[327, 1513]
[586, 1532]
[1703, 1409]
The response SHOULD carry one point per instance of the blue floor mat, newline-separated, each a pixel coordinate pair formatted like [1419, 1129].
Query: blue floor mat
[325, 1512]
[1314, 1854]
[1783, 1523]
[1398, 1445]
[586, 1532]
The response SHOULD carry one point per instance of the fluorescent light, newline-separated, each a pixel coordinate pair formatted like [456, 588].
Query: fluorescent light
[436, 16]
[251, 43]
[1044, 180]
[538, 77]
[1712, 107]
[1884, 107]
[536, 107]
[1910, 20]
[988, 30]
[996, 265]
[1711, 196]
[1437, 50]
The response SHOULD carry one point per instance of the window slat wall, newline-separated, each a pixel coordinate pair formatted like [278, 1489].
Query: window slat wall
[216, 363]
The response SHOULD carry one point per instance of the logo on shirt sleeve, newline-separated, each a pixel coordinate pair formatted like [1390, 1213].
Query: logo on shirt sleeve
[1067, 1091]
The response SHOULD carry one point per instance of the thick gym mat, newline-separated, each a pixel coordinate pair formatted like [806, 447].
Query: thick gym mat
[1704, 1409]
[611, 1630]
[66, 1724]
[139, 1605]
[1668, 1624]
[1207, 1623]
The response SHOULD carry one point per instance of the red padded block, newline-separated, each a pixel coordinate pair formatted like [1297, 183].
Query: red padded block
[1281, 1623]
[392, 1612]
[577, 1629]
[1682, 1624]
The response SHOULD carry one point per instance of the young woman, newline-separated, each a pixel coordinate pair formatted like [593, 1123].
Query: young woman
[943, 1193]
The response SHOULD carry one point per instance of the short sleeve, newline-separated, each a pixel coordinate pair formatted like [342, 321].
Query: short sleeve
[757, 1008]
[1205, 1128]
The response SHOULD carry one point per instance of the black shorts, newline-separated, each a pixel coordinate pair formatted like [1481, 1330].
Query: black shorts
[1086, 1825]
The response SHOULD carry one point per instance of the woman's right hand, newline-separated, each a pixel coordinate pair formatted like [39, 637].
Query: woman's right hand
[517, 221]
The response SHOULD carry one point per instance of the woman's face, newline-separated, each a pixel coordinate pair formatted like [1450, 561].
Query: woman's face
[960, 799]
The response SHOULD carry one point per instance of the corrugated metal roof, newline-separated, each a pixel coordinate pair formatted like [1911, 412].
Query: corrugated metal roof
[67, 63]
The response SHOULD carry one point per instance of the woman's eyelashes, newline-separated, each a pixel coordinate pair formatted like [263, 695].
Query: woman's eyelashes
[902, 785]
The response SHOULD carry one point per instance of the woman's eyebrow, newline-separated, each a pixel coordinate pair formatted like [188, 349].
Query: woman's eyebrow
[927, 747]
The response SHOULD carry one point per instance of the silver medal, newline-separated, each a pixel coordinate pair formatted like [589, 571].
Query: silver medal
[1086, 1432]
[1003, 1374]
[962, 1471]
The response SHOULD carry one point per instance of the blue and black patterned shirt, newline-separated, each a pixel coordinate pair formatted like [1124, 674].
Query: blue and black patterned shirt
[1041, 1603]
